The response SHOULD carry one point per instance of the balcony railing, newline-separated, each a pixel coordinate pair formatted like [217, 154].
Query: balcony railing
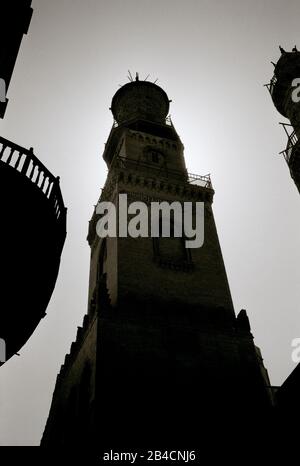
[270, 86]
[200, 180]
[162, 171]
[25, 162]
[168, 122]
[292, 141]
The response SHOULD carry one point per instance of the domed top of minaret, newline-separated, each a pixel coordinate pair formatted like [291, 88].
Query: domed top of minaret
[288, 65]
[142, 100]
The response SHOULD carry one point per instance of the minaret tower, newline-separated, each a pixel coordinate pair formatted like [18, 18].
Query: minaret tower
[145, 160]
[160, 347]
[284, 88]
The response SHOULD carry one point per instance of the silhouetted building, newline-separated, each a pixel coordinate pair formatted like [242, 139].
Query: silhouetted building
[285, 93]
[15, 18]
[32, 236]
[161, 356]
[284, 88]
[33, 215]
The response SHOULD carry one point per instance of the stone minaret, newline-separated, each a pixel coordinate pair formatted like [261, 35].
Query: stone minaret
[161, 349]
[283, 88]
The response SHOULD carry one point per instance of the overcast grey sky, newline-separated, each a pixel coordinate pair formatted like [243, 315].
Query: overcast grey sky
[212, 58]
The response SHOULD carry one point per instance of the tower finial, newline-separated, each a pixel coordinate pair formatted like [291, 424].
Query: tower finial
[294, 49]
[136, 76]
[281, 49]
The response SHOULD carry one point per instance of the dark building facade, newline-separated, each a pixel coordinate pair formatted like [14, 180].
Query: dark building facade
[161, 355]
[283, 89]
[33, 215]
[15, 18]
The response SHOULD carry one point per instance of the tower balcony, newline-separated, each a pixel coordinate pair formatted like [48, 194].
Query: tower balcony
[291, 146]
[161, 171]
[31, 241]
[292, 155]
[160, 177]
[278, 90]
[271, 85]
[286, 70]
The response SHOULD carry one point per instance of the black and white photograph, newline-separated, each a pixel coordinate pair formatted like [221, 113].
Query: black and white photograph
[150, 231]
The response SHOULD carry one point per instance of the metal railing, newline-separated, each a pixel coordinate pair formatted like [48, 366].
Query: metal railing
[162, 171]
[27, 164]
[270, 86]
[200, 180]
[168, 122]
[292, 141]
